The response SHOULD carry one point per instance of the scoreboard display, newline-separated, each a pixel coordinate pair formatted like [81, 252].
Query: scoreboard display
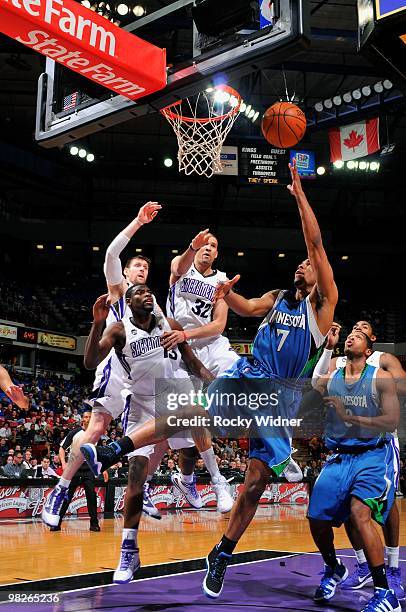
[264, 165]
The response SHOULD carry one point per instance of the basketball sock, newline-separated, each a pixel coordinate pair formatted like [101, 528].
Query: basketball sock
[226, 545]
[379, 577]
[361, 558]
[130, 534]
[188, 478]
[210, 462]
[63, 482]
[123, 446]
[392, 552]
[330, 558]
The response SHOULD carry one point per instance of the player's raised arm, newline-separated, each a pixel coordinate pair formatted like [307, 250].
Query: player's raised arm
[98, 346]
[181, 263]
[327, 293]
[112, 263]
[254, 307]
[13, 392]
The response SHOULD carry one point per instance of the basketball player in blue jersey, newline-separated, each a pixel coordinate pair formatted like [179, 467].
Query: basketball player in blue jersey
[192, 284]
[285, 350]
[357, 481]
[389, 363]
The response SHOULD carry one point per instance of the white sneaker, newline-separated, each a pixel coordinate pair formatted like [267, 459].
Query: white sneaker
[292, 472]
[129, 563]
[222, 490]
[148, 505]
[188, 490]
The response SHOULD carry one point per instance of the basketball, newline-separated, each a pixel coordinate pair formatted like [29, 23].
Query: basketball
[283, 124]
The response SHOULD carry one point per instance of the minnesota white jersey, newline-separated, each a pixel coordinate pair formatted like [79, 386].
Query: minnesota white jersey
[190, 299]
[144, 360]
[373, 360]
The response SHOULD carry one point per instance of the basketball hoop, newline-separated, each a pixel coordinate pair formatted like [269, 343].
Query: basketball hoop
[202, 126]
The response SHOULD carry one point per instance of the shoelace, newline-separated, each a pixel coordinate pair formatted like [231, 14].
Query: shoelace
[126, 558]
[219, 569]
[191, 487]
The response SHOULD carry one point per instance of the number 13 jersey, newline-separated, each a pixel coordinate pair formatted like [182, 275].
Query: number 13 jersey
[190, 298]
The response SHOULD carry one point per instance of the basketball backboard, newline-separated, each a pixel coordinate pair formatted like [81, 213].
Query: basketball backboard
[70, 107]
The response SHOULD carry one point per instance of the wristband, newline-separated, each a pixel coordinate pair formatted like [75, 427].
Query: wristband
[192, 249]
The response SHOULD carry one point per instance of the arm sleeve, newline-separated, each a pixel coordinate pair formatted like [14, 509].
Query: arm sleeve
[112, 263]
[322, 366]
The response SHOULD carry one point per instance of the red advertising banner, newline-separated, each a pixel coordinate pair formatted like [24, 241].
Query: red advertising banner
[87, 43]
[25, 502]
[165, 497]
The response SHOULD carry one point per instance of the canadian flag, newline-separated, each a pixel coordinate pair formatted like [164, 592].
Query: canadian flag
[355, 140]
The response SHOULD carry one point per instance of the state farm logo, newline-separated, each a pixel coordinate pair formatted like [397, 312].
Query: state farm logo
[54, 12]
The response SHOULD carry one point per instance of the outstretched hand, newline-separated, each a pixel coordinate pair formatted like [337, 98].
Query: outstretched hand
[101, 308]
[295, 188]
[333, 336]
[148, 212]
[201, 239]
[224, 287]
[16, 394]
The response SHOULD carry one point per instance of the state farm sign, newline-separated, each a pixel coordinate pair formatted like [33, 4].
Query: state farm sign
[85, 42]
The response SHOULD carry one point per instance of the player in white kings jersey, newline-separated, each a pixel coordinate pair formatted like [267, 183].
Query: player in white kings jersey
[150, 374]
[106, 400]
[193, 281]
[390, 363]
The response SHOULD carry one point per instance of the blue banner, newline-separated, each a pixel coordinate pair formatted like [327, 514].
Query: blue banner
[388, 7]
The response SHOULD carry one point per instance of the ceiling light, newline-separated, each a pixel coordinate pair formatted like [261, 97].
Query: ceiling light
[40, 247]
[374, 166]
[344, 257]
[387, 84]
[338, 164]
[95, 248]
[281, 255]
[73, 150]
[363, 165]
[347, 97]
[168, 162]
[356, 94]
[138, 250]
[139, 10]
[122, 9]
[82, 153]
[351, 165]
[175, 251]
[328, 103]
[240, 254]
[366, 91]
[318, 107]
[321, 170]
[90, 157]
[378, 87]
[58, 247]
[337, 100]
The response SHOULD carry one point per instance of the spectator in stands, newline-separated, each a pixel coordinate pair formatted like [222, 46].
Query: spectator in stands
[200, 468]
[27, 460]
[4, 448]
[15, 469]
[44, 470]
[313, 470]
[5, 431]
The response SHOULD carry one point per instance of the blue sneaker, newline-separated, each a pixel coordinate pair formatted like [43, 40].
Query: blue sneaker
[52, 506]
[216, 563]
[394, 576]
[382, 601]
[100, 458]
[359, 578]
[331, 578]
[148, 506]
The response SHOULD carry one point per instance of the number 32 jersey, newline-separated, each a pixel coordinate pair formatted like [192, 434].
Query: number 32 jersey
[190, 298]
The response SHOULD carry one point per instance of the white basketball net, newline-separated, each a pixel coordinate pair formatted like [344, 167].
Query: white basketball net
[200, 139]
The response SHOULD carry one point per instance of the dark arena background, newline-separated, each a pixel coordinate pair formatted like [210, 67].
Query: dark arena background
[77, 162]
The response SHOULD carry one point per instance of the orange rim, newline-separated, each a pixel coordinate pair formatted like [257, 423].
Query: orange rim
[168, 113]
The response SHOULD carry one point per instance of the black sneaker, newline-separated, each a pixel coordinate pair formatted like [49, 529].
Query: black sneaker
[216, 568]
[94, 527]
[100, 458]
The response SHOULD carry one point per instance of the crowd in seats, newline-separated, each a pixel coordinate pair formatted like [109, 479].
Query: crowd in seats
[19, 303]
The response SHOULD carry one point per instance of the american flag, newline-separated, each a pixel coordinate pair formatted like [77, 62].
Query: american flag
[70, 101]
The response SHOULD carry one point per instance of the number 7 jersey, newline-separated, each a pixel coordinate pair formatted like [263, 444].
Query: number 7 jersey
[190, 298]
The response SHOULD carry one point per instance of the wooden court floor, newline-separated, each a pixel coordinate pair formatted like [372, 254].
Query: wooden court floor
[31, 552]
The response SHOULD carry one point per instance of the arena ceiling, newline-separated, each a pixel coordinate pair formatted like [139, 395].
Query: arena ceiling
[129, 170]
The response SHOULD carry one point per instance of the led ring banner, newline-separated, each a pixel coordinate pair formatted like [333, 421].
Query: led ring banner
[87, 43]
